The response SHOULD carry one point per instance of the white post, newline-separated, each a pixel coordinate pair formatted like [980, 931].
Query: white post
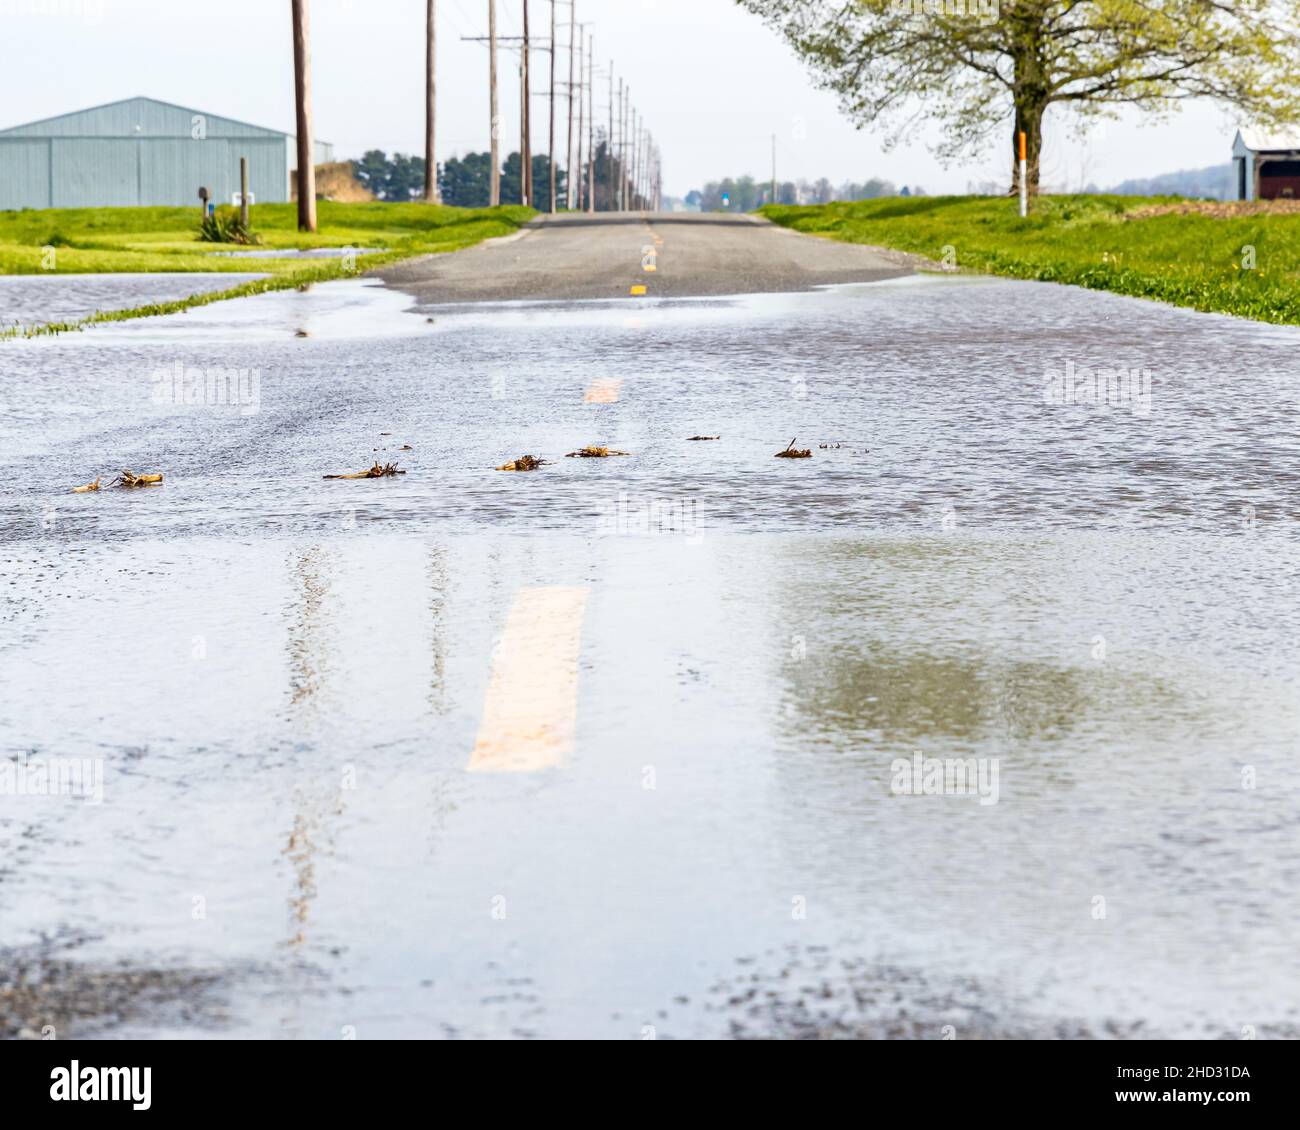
[1024, 180]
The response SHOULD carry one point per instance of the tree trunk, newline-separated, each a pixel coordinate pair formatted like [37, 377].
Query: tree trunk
[1029, 120]
[1030, 99]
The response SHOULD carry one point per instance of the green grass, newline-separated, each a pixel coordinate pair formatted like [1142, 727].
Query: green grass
[1186, 260]
[126, 240]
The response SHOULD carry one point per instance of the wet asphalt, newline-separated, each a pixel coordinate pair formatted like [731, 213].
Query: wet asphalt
[673, 255]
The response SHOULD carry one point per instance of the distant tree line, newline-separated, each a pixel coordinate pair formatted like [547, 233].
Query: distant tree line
[465, 182]
[744, 194]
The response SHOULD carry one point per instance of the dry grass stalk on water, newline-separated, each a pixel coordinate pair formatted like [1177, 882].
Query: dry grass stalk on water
[130, 480]
[378, 471]
[523, 463]
[792, 452]
[595, 453]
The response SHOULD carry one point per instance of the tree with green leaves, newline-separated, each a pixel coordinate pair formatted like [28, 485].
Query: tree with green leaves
[978, 66]
[466, 181]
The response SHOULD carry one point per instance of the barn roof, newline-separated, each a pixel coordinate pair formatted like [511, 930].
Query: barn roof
[137, 117]
[1265, 141]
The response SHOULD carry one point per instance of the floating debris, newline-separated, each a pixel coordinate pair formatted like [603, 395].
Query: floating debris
[595, 453]
[829, 446]
[523, 463]
[301, 333]
[87, 489]
[792, 452]
[695, 438]
[378, 471]
[406, 447]
[130, 480]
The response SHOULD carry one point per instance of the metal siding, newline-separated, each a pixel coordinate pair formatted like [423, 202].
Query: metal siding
[172, 170]
[90, 173]
[24, 173]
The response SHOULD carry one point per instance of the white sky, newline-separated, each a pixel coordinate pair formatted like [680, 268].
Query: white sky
[712, 82]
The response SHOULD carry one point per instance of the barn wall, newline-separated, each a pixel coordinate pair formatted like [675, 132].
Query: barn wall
[24, 173]
[139, 152]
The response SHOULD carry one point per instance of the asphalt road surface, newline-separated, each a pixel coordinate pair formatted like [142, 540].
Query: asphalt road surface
[606, 255]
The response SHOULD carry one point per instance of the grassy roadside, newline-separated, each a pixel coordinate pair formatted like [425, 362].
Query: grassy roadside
[129, 240]
[1187, 259]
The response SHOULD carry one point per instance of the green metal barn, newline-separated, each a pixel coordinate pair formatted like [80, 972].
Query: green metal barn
[141, 151]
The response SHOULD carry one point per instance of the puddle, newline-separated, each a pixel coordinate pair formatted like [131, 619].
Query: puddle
[29, 300]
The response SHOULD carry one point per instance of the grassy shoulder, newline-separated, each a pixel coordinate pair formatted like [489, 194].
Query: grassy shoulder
[1125, 244]
[131, 240]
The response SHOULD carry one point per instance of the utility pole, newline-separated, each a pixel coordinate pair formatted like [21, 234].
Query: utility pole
[591, 125]
[619, 146]
[550, 154]
[623, 134]
[431, 194]
[576, 186]
[568, 153]
[609, 141]
[494, 197]
[302, 101]
[526, 147]
[773, 200]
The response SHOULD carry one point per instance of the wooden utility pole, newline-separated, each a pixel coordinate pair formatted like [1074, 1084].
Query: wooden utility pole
[609, 141]
[495, 194]
[591, 125]
[302, 102]
[526, 148]
[431, 194]
[618, 146]
[550, 154]
[576, 186]
[568, 153]
[773, 200]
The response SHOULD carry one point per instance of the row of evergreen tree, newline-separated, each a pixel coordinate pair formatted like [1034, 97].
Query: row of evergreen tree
[466, 181]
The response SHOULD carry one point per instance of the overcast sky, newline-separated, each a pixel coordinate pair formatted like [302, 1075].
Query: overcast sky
[712, 82]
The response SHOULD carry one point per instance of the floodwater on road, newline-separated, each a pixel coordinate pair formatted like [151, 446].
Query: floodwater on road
[292, 686]
[32, 300]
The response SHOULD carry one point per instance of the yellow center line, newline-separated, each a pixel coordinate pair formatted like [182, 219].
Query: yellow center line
[603, 390]
[530, 710]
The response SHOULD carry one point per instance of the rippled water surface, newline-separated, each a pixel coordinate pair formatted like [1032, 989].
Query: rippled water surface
[284, 676]
[30, 300]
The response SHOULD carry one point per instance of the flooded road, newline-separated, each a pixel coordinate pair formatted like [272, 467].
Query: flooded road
[612, 748]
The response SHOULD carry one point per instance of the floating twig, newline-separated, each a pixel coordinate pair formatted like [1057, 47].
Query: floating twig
[378, 471]
[130, 480]
[87, 489]
[695, 438]
[523, 463]
[792, 452]
[595, 453]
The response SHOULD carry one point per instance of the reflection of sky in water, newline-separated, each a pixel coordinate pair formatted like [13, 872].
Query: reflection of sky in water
[29, 300]
[349, 626]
